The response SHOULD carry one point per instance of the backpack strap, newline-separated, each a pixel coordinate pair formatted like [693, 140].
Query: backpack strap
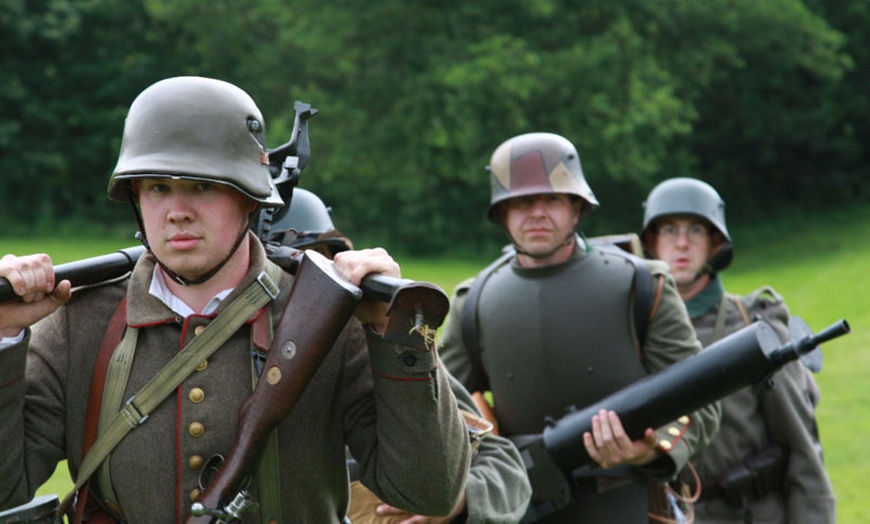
[644, 304]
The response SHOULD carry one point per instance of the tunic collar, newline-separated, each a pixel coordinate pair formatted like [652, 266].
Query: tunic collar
[707, 299]
[144, 308]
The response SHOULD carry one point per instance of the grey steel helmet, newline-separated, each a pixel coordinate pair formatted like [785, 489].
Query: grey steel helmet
[306, 213]
[689, 196]
[306, 223]
[537, 163]
[196, 128]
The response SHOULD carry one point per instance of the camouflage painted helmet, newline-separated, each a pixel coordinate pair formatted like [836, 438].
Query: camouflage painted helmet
[689, 196]
[307, 224]
[196, 128]
[534, 164]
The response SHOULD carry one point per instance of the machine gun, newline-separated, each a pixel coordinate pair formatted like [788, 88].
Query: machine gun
[747, 357]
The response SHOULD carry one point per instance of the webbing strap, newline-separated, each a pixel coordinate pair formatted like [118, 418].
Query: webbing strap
[269, 480]
[137, 408]
[269, 468]
[113, 393]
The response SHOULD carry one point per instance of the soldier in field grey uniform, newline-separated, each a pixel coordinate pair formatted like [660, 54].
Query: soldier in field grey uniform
[194, 168]
[556, 329]
[765, 465]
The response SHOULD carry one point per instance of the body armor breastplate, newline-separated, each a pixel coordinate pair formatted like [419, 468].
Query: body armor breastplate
[557, 337]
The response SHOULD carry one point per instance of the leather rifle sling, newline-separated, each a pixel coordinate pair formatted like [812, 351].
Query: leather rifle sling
[136, 409]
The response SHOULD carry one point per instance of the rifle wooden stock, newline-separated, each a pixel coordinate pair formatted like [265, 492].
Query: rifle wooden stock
[320, 304]
[746, 357]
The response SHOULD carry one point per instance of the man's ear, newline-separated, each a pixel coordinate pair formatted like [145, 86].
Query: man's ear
[252, 206]
[717, 240]
[579, 206]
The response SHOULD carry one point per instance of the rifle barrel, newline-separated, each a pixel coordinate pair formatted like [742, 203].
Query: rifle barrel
[90, 271]
[87, 271]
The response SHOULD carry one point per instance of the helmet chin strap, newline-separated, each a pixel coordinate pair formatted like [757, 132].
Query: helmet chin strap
[184, 281]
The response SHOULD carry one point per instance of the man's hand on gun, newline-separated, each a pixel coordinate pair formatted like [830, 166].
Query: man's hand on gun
[32, 278]
[609, 445]
[354, 266]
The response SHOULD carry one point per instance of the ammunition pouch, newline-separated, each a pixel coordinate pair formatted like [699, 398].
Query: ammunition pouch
[754, 478]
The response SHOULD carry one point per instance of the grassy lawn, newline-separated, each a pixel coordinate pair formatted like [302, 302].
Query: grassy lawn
[815, 262]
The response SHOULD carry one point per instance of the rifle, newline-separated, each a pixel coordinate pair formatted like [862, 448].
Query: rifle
[102, 268]
[747, 357]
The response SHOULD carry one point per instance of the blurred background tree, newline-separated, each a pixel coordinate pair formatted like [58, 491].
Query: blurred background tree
[765, 100]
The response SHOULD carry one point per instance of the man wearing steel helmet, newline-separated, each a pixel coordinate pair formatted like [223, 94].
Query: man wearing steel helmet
[554, 330]
[770, 435]
[194, 167]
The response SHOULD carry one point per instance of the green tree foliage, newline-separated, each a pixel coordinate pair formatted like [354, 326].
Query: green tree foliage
[70, 69]
[758, 98]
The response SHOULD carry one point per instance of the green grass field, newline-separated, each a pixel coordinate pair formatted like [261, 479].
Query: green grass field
[816, 262]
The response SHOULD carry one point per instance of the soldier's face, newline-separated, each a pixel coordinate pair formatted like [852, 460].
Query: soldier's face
[540, 224]
[191, 226]
[685, 243]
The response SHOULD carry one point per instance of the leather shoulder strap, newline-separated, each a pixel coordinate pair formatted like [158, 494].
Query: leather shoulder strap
[643, 299]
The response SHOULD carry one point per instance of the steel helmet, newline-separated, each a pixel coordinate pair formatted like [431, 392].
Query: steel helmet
[689, 196]
[537, 163]
[306, 223]
[306, 213]
[196, 128]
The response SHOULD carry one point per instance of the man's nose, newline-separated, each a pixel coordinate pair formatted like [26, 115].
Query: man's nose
[179, 208]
